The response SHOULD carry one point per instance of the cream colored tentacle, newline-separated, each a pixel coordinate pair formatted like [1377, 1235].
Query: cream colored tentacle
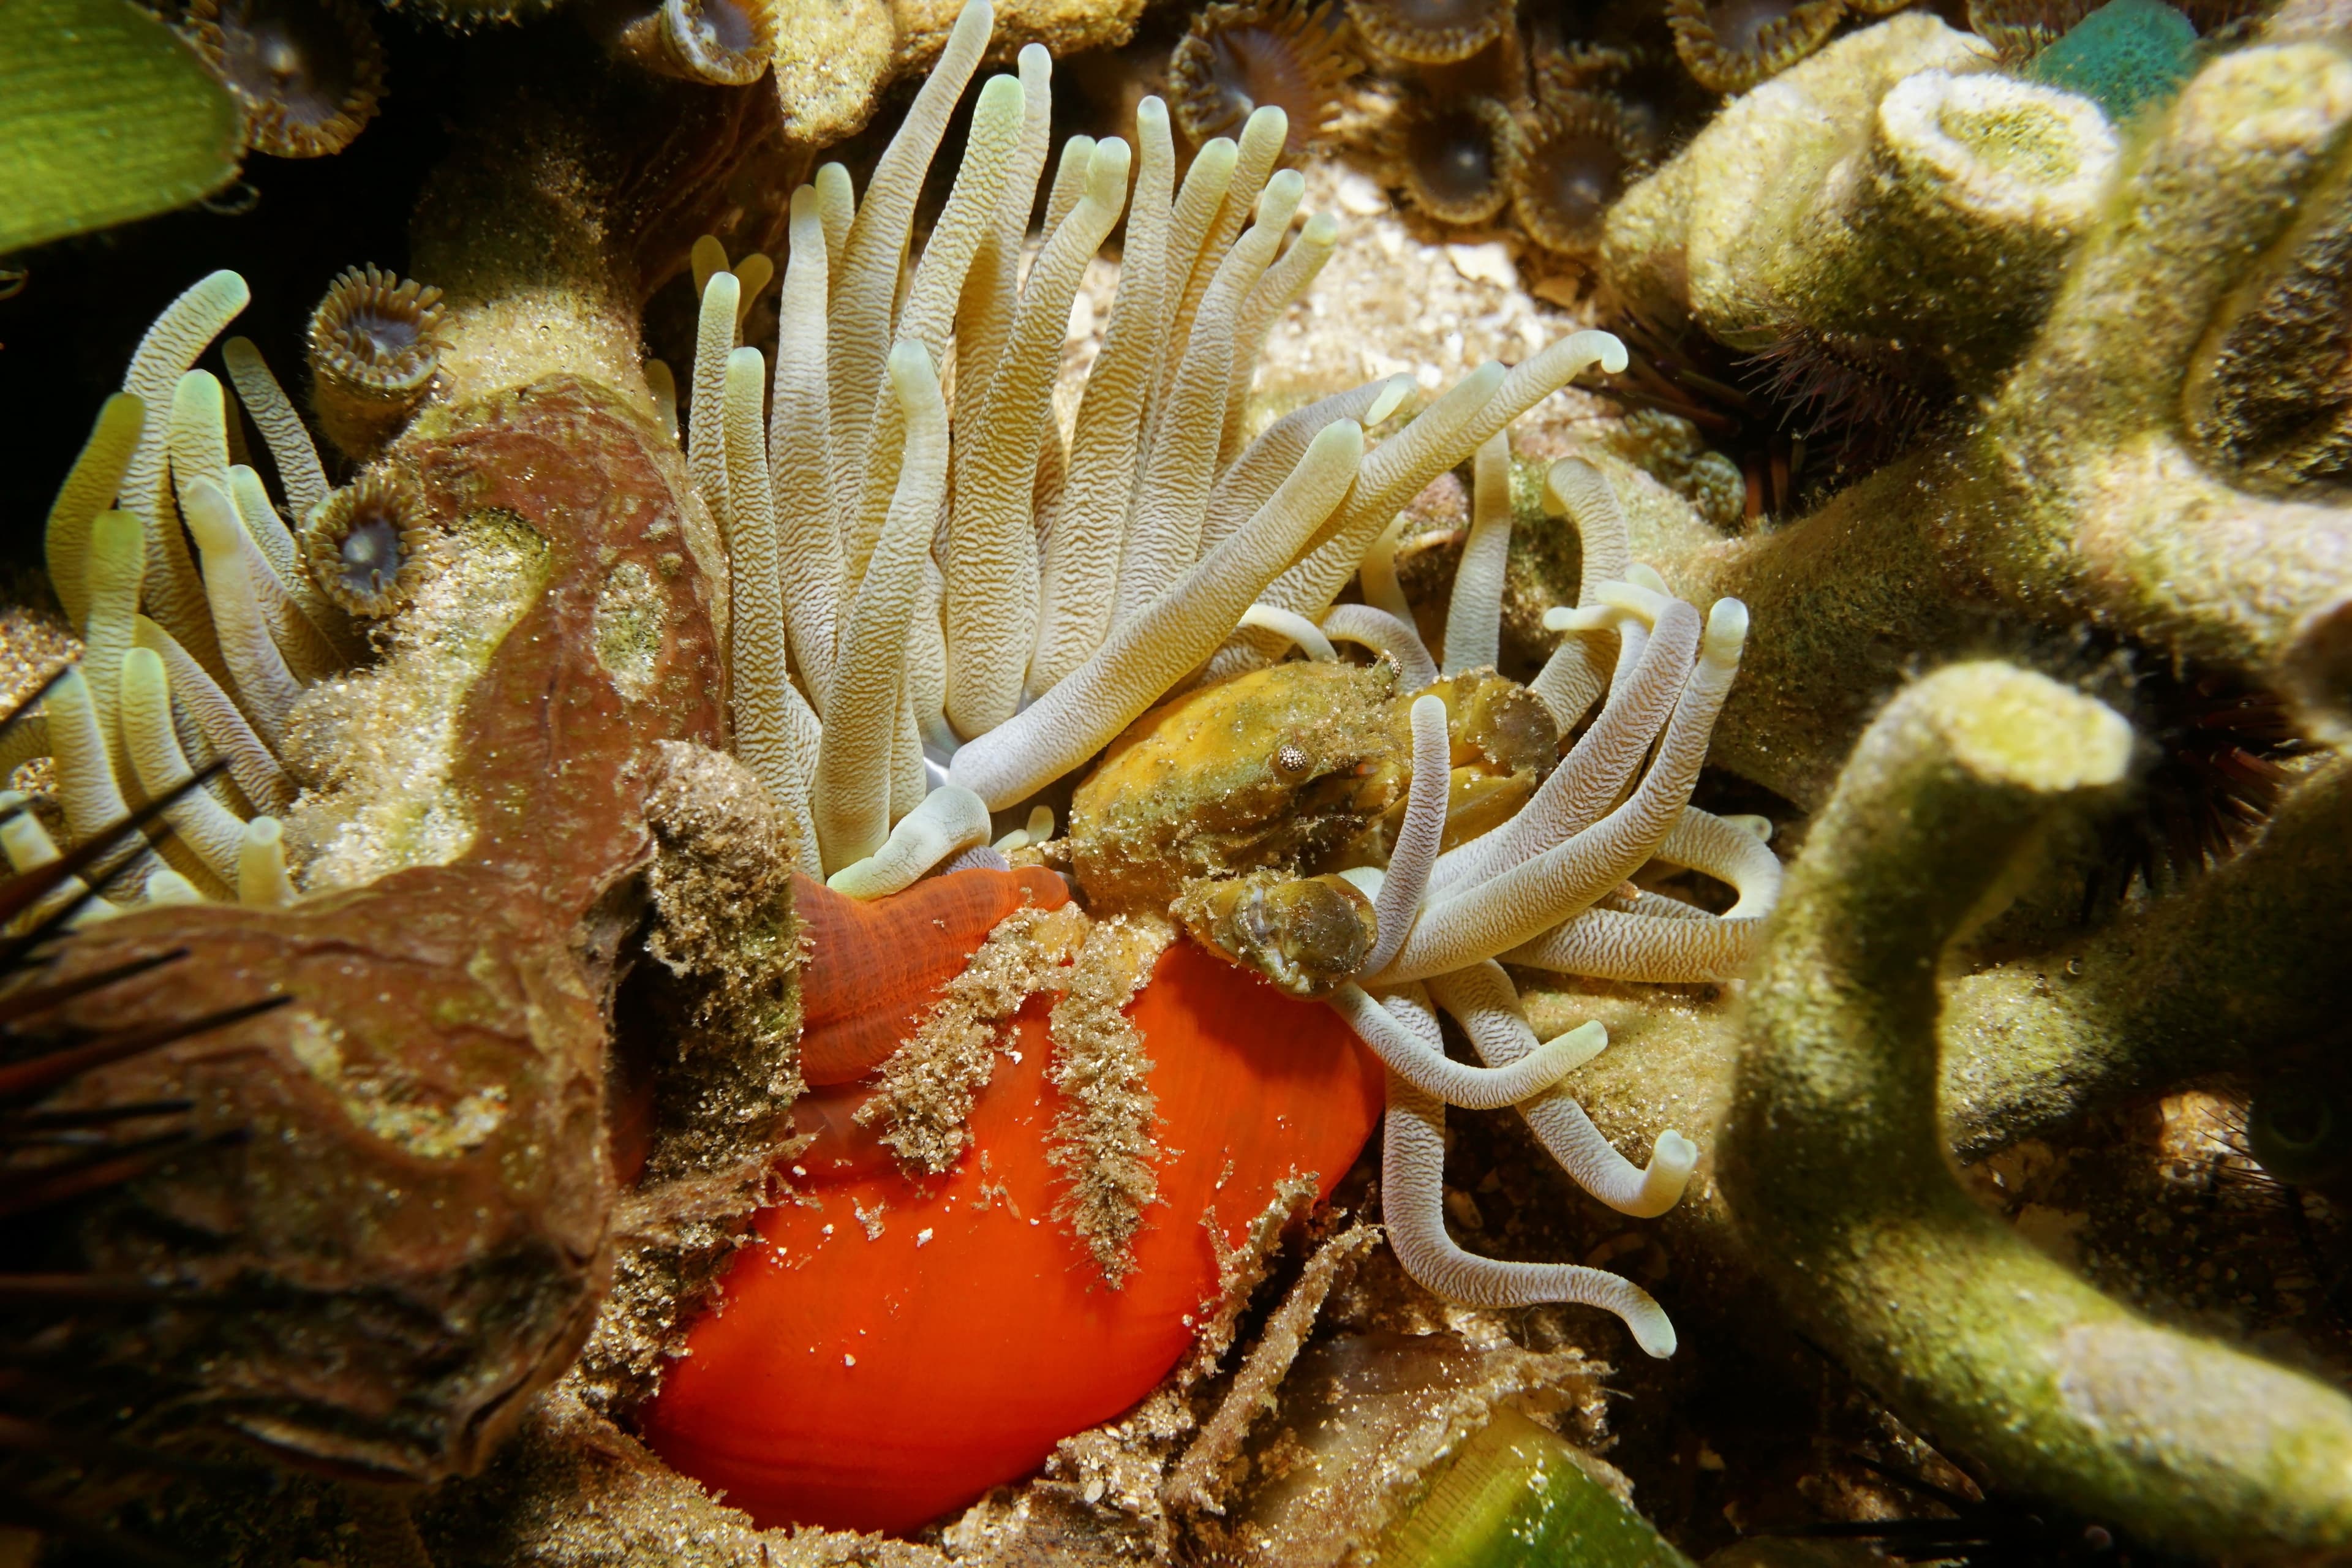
[926, 661]
[990, 149]
[86, 784]
[96, 477]
[1500, 913]
[1078, 568]
[1486, 1004]
[706, 417]
[852, 798]
[1593, 777]
[763, 729]
[1142, 657]
[836, 211]
[1423, 443]
[1190, 224]
[1244, 483]
[1455, 1083]
[1255, 156]
[299, 473]
[1578, 670]
[1652, 949]
[324, 636]
[1413, 1209]
[199, 446]
[1283, 282]
[209, 829]
[1165, 537]
[992, 565]
[1379, 630]
[800, 435]
[1407, 877]
[865, 281]
[262, 882]
[1294, 628]
[1474, 615]
[1318, 581]
[180, 335]
[117, 562]
[1710, 845]
[224, 728]
[662, 382]
[993, 286]
[950, 820]
[266, 688]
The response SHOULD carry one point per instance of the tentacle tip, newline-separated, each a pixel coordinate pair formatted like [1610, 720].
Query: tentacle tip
[1726, 630]
[1580, 1045]
[1277, 120]
[1004, 95]
[1652, 1331]
[1614, 358]
[1674, 1152]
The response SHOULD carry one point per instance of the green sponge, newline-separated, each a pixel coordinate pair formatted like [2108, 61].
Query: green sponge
[2126, 54]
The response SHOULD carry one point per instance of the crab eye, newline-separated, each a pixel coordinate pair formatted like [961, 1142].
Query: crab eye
[1291, 762]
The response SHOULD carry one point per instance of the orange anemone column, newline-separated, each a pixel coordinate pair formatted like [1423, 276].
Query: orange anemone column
[895, 1349]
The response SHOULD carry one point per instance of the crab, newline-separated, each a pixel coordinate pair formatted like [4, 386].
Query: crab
[1241, 809]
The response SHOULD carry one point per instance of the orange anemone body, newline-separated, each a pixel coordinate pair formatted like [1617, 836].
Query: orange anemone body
[893, 1349]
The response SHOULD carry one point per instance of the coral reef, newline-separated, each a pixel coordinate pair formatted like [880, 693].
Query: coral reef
[862, 928]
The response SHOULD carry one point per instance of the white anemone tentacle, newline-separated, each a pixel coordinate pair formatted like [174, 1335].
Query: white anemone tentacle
[1413, 1210]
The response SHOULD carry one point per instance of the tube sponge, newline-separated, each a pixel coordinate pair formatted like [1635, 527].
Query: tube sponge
[1835, 1164]
[1889, 187]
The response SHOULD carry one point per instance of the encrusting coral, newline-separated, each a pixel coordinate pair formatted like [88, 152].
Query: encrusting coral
[1871, 191]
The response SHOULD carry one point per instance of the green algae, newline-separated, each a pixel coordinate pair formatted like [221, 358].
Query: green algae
[1514, 1495]
[107, 117]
